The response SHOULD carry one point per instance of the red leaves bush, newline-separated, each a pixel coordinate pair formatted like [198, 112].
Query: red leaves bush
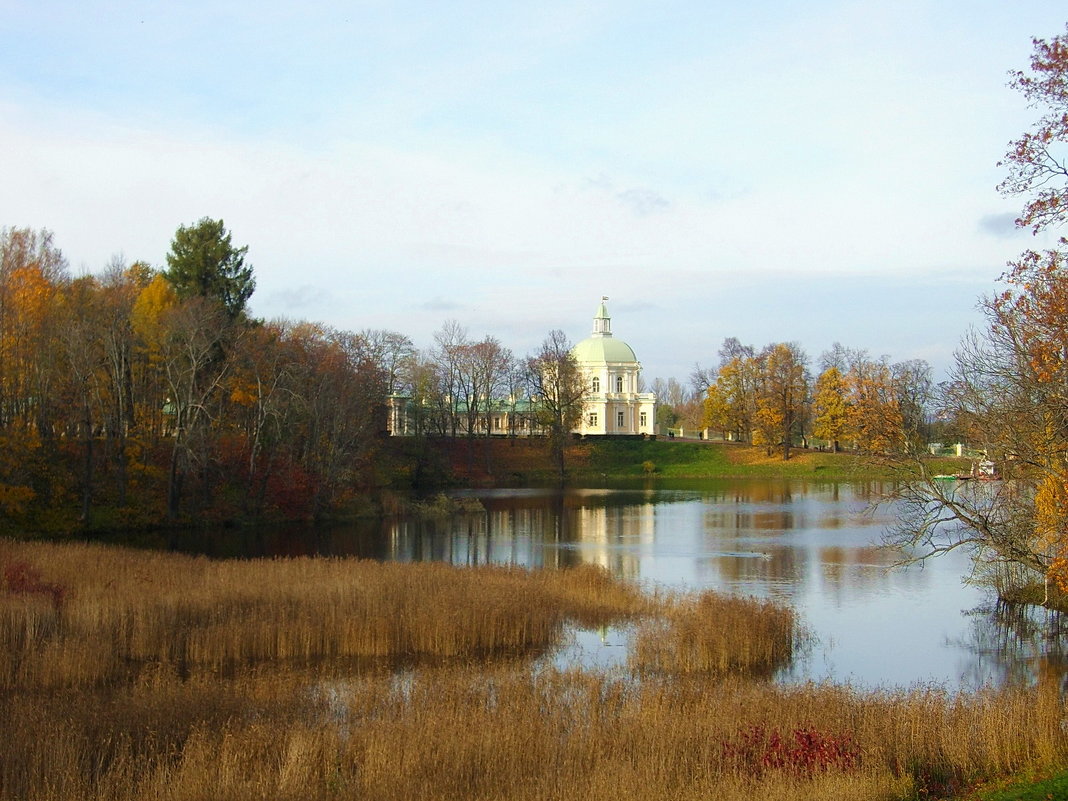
[21, 578]
[803, 752]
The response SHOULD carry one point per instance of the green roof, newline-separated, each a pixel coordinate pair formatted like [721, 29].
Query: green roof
[603, 349]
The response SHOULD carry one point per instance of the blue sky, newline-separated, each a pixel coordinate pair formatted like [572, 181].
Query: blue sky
[771, 171]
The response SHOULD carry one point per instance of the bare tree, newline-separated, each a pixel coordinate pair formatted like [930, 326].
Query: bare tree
[450, 342]
[393, 353]
[558, 390]
[194, 366]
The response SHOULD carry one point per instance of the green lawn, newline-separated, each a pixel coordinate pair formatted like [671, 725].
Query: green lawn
[667, 459]
[501, 461]
[1053, 789]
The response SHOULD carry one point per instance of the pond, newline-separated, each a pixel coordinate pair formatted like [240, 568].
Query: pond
[812, 545]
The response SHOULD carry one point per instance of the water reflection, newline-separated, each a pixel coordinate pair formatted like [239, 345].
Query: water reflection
[809, 544]
[1015, 644]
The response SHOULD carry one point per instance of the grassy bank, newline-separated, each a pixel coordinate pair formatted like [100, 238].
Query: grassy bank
[518, 461]
[129, 675]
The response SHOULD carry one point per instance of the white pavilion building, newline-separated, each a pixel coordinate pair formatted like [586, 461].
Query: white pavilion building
[614, 406]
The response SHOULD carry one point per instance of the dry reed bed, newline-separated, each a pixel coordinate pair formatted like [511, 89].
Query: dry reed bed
[130, 675]
[89, 614]
[482, 733]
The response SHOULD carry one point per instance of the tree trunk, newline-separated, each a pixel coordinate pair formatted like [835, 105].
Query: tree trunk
[87, 463]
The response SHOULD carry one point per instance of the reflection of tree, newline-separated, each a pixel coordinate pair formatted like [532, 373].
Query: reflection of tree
[1017, 644]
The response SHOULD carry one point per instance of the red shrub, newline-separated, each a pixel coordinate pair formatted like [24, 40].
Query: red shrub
[21, 578]
[804, 752]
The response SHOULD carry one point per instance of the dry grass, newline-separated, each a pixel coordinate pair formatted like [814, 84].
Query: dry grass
[160, 676]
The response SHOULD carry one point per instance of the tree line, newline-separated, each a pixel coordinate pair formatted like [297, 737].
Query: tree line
[152, 392]
[143, 395]
[769, 398]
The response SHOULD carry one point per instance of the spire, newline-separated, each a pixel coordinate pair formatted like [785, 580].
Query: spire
[602, 323]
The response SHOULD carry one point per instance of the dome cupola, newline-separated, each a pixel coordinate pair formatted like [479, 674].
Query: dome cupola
[601, 346]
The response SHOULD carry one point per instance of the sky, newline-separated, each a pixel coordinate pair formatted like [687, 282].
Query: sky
[773, 171]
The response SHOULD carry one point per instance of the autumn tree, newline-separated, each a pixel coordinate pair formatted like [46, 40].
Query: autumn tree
[875, 420]
[831, 408]
[1037, 162]
[1009, 385]
[149, 394]
[781, 396]
[261, 392]
[730, 403]
[203, 262]
[32, 269]
[716, 411]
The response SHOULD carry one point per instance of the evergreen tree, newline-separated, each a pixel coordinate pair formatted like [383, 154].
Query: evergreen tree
[204, 263]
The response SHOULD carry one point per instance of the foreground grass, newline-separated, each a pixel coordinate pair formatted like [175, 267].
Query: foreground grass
[130, 675]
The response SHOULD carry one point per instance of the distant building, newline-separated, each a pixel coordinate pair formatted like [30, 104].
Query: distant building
[614, 406]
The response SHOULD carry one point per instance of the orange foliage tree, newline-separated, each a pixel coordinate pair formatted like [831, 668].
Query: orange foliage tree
[781, 397]
[1036, 161]
[874, 411]
[1009, 387]
[730, 404]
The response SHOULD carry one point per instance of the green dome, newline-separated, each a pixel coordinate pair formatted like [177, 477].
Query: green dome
[603, 349]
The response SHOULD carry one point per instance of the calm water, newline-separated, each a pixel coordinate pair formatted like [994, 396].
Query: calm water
[814, 546]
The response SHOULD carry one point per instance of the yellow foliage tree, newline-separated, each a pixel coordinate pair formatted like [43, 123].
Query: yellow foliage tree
[874, 413]
[1051, 525]
[148, 310]
[831, 408]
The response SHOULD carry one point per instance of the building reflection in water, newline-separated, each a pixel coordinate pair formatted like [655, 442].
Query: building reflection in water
[558, 530]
